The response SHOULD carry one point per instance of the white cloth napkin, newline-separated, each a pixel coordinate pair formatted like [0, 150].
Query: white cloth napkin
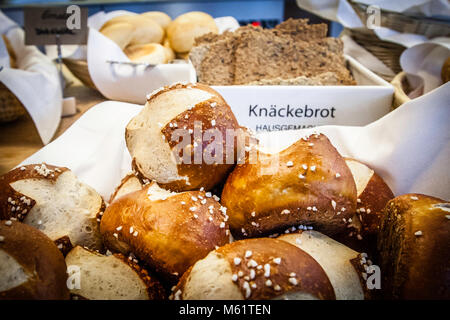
[409, 147]
[35, 82]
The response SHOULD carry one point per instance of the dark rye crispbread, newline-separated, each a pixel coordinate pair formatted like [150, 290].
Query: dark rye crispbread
[293, 49]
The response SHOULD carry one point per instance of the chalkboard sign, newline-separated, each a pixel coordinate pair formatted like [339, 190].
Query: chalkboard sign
[55, 25]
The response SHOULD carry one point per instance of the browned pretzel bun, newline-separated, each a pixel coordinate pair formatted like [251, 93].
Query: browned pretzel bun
[372, 195]
[308, 183]
[255, 269]
[156, 137]
[31, 266]
[109, 277]
[169, 231]
[414, 248]
[54, 201]
[337, 260]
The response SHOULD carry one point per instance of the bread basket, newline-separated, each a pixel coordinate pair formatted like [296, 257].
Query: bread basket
[79, 68]
[388, 52]
[10, 107]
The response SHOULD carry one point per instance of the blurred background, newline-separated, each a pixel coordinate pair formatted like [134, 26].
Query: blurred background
[267, 13]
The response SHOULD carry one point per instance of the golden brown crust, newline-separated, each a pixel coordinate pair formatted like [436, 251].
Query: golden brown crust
[13, 204]
[278, 193]
[40, 259]
[171, 235]
[414, 250]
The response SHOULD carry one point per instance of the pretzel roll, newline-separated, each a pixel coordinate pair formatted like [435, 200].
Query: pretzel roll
[159, 17]
[308, 183]
[182, 31]
[169, 231]
[152, 53]
[109, 277]
[372, 195]
[255, 269]
[129, 183]
[414, 248]
[54, 201]
[173, 139]
[341, 264]
[31, 266]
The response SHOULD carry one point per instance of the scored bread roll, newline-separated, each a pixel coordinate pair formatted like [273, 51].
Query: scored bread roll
[129, 183]
[372, 194]
[171, 139]
[31, 266]
[54, 201]
[308, 183]
[255, 269]
[161, 18]
[182, 31]
[152, 53]
[168, 231]
[336, 259]
[112, 277]
[414, 248]
[121, 33]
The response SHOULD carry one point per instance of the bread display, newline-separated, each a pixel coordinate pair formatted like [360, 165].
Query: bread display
[255, 269]
[31, 266]
[152, 37]
[169, 139]
[182, 31]
[52, 200]
[372, 196]
[337, 260]
[308, 183]
[112, 277]
[414, 248]
[291, 50]
[168, 231]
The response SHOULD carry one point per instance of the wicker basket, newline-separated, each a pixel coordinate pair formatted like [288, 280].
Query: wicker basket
[79, 68]
[10, 107]
[388, 52]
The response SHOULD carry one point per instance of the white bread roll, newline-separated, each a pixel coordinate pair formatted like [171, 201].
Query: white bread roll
[185, 109]
[185, 28]
[121, 33]
[152, 53]
[112, 277]
[159, 17]
[145, 30]
[255, 269]
[335, 259]
[31, 266]
[54, 201]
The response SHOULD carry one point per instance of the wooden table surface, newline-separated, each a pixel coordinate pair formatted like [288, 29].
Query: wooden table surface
[19, 139]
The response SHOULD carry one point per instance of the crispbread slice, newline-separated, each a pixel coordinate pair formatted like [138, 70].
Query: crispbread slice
[270, 56]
